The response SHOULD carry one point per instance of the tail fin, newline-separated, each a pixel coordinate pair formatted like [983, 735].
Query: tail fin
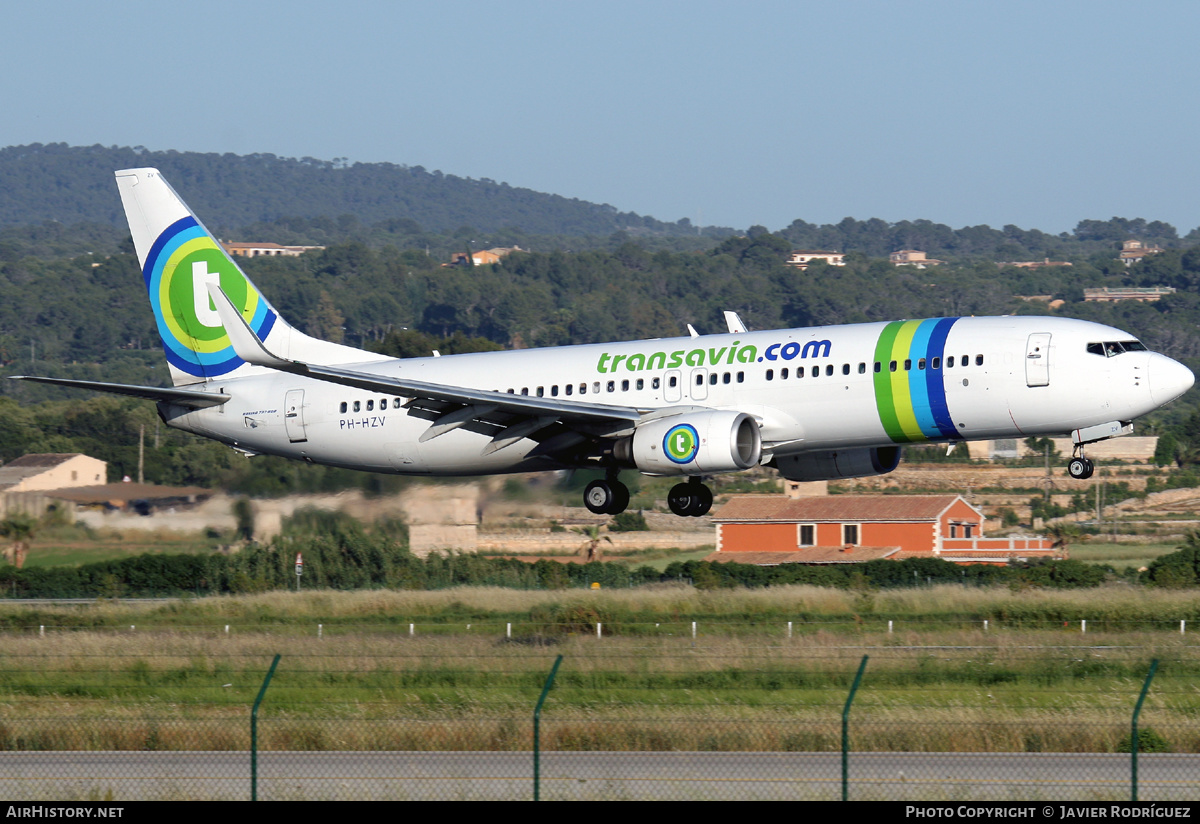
[179, 257]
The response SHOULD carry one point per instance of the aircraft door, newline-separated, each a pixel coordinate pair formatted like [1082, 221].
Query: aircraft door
[699, 390]
[673, 391]
[293, 416]
[1037, 359]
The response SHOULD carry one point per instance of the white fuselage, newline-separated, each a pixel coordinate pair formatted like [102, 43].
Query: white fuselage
[862, 385]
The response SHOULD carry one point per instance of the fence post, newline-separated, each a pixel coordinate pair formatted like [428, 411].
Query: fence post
[1133, 737]
[254, 731]
[537, 735]
[846, 730]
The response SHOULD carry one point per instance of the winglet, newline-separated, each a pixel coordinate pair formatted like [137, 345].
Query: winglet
[248, 346]
[734, 322]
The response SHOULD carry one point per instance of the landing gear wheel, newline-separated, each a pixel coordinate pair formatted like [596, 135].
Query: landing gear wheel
[606, 497]
[598, 496]
[702, 500]
[679, 499]
[1081, 468]
[691, 499]
[620, 498]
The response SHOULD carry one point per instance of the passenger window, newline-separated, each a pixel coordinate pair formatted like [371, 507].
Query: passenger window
[371, 405]
[950, 362]
[554, 391]
[383, 403]
[524, 390]
[342, 408]
[878, 366]
[624, 386]
[712, 379]
[965, 360]
[979, 360]
[771, 374]
[674, 381]
[655, 383]
[907, 365]
[783, 373]
[570, 387]
[541, 391]
[641, 384]
[358, 406]
[596, 387]
[611, 386]
[725, 379]
[699, 380]
[845, 369]
[395, 403]
[828, 369]
[741, 377]
[921, 363]
[862, 369]
[892, 366]
[799, 371]
[937, 363]
[583, 389]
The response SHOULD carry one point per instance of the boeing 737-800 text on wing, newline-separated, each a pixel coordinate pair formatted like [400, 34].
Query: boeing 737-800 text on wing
[820, 403]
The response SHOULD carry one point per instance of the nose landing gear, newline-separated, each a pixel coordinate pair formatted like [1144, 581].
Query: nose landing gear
[690, 499]
[1080, 468]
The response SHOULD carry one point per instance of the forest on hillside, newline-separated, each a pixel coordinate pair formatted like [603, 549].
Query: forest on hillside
[73, 304]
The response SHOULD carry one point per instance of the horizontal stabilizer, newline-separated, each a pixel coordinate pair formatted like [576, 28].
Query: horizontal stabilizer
[181, 397]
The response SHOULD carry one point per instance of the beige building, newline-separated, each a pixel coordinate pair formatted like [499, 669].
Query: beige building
[1132, 448]
[484, 256]
[266, 249]
[801, 258]
[55, 470]
[1147, 294]
[913, 257]
[1134, 250]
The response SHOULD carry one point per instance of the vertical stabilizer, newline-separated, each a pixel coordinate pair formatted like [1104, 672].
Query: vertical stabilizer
[179, 258]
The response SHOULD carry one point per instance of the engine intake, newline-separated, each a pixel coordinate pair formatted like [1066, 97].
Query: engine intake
[694, 444]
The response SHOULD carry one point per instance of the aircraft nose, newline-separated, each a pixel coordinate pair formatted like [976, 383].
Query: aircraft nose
[1168, 379]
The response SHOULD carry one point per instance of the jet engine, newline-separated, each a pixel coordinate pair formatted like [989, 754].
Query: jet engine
[838, 463]
[694, 444]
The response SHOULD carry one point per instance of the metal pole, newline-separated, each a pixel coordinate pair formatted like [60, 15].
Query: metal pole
[254, 731]
[537, 735]
[846, 730]
[1133, 738]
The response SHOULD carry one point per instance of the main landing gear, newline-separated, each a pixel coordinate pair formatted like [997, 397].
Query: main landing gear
[692, 498]
[1080, 468]
[607, 497]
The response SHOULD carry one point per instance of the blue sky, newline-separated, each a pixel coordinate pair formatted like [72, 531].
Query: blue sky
[1038, 114]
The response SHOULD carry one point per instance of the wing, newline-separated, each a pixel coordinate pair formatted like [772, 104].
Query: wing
[558, 424]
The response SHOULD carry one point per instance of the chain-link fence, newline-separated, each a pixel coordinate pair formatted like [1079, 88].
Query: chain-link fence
[613, 725]
[681, 758]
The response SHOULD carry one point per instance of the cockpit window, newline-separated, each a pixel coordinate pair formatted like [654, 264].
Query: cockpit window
[1112, 348]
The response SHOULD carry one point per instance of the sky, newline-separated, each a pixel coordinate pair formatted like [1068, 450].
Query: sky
[1037, 114]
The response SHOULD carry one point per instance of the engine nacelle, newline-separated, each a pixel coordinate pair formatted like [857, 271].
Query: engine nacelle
[694, 444]
[838, 463]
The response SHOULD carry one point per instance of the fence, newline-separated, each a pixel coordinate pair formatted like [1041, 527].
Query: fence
[928, 723]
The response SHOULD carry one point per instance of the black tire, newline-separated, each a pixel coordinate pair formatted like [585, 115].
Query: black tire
[679, 499]
[702, 500]
[1080, 469]
[620, 498]
[598, 497]
[1091, 468]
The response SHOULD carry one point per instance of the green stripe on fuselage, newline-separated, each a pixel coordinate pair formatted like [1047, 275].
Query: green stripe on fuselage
[883, 383]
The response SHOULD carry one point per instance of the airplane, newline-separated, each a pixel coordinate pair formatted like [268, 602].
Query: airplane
[818, 403]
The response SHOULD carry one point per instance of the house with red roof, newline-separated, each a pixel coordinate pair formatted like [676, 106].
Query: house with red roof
[841, 529]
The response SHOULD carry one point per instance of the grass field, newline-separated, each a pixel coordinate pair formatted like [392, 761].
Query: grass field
[1120, 555]
[172, 676]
